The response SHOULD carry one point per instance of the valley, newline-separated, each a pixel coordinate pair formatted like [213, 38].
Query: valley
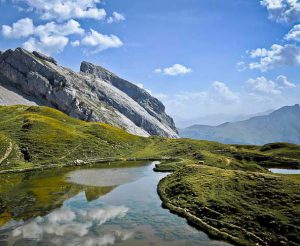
[212, 184]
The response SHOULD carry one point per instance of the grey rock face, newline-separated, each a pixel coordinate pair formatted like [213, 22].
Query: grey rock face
[44, 57]
[88, 95]
[152, 105]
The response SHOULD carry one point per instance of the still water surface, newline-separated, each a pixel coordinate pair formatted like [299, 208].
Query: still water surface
[284, 171]
[93, 207]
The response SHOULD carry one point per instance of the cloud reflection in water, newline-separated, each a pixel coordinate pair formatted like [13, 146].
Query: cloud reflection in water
[68, 226]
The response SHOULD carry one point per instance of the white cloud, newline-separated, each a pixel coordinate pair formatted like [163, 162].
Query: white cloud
[68, 28]
[260, 52]
[278, 55]
[157, 70]
[283, 10]
[218, 98]
[262, 85]
[75, 43]
[116, 17]
[66, 9]
[294, 34]
[48, 38]
[26, 28]
[100, 41]
[241, 66]
[265, 86]
[21, 28]
[283, 82]
[47, 44]
[224, 93]
[176, 69]
[259, 95]
[220, 93]
[140, 85]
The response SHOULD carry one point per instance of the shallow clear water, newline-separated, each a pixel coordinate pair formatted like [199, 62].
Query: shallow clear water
[110, 206]
[284, 171]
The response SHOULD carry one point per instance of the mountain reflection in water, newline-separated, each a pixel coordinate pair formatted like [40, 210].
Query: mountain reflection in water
[114, 204]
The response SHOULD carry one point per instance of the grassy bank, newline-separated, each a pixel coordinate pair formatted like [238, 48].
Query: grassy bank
[32, 137]
[243, 207]
[225, 190]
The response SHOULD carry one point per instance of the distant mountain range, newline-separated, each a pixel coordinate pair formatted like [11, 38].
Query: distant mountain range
[217, 119]
[282, 125]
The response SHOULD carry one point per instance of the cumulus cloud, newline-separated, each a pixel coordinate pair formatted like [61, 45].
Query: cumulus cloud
[262, 85]
[176, 69]
[75, 43]
[47, 44]
[68, 28]
[66, 9]
[99, 41]
[21, 28]
[116, 17]
[224, 93]
[285, 11]
[265, 86]
[48, 38]
[283, 82]
[294, 34]
[25, 28]
[277, 55]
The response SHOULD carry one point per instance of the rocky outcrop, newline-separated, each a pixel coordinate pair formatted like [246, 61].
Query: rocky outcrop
[151, 104]
[44, 57]
[94, 94]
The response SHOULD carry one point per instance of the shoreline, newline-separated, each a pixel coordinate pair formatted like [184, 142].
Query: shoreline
[89, 162]
[198, 223]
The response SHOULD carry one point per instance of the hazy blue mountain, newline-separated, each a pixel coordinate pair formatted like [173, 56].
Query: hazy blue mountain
[217, 119]
[282, 125]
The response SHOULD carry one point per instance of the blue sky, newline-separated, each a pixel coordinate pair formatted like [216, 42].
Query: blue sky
[199, 57]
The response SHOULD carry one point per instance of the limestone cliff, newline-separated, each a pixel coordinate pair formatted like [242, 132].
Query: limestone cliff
[94, 94]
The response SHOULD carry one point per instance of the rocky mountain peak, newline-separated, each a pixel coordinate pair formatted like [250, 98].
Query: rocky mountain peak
[151, 104]
[94, 94]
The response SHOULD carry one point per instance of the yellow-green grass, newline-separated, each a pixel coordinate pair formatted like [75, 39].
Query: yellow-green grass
[246, 208]
[41, 136]
[227, 187]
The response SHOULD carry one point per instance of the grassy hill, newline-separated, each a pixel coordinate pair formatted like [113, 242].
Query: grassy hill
[225, 190]
[34, 137]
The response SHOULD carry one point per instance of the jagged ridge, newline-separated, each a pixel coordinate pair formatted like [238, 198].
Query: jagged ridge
[94, 94]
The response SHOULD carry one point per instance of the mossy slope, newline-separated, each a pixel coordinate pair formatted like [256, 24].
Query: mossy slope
[226, 186]
[39, 136]
[247, 208]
